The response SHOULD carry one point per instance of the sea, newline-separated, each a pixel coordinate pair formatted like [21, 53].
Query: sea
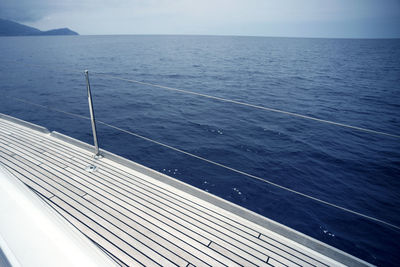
[348, 81]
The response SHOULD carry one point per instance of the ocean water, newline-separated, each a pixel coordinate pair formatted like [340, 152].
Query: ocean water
[349, 81]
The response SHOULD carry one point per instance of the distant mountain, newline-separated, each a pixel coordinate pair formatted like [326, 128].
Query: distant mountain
[11, 28]
[62, 31]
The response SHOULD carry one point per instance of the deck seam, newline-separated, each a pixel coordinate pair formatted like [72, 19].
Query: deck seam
[73, 217]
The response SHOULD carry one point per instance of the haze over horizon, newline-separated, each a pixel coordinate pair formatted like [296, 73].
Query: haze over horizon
[286, 18]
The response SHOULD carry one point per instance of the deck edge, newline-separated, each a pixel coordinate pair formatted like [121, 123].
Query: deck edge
[30, 125]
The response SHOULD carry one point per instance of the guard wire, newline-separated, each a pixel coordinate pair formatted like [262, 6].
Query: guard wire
[73, 70]
[251, 105]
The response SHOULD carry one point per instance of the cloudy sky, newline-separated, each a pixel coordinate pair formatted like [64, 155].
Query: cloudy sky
[304, 18]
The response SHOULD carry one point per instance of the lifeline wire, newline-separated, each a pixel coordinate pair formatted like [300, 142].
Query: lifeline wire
[250, 105]
[215, 163]
[224, 100]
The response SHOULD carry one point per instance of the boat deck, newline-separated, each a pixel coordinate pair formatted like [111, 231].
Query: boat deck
[141, 217]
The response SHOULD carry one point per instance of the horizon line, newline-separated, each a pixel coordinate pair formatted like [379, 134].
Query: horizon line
[235, 35]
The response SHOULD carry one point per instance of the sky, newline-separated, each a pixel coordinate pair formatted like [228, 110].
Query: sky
[289, 18]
